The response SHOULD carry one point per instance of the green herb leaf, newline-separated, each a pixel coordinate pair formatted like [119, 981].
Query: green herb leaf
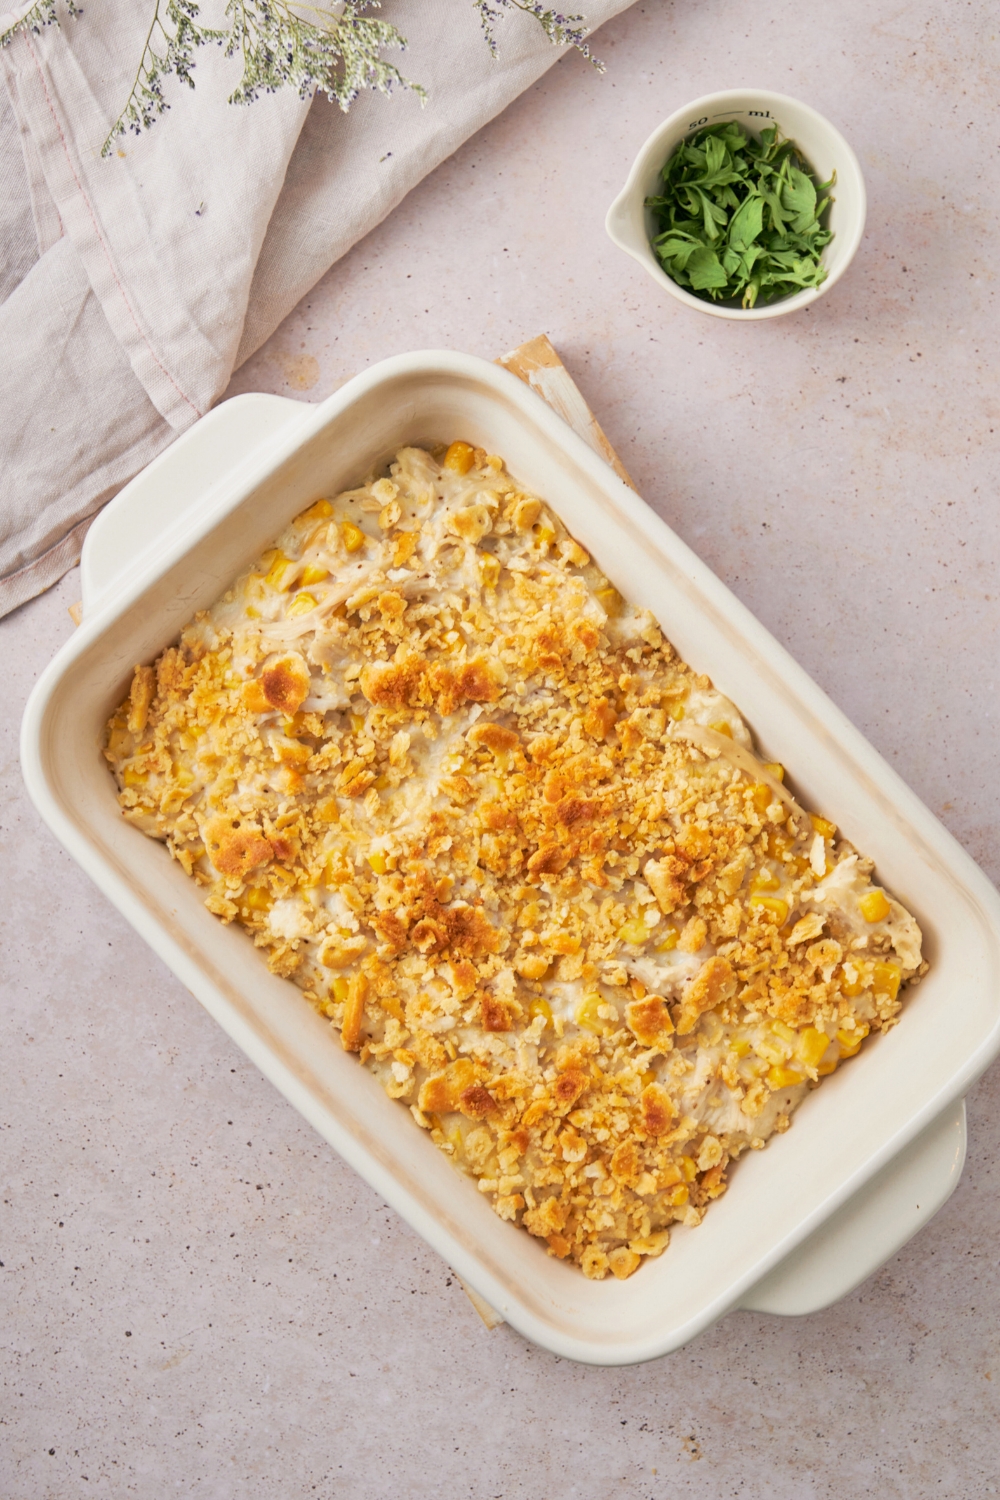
[740, 218]
[705, 269]
[746, 223]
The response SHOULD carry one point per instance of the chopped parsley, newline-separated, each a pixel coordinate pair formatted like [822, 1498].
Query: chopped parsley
[740, 219]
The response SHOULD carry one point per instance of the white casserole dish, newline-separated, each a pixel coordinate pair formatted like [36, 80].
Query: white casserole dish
[881, 1142]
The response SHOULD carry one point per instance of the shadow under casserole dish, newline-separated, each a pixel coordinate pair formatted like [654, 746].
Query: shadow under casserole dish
[525, 859]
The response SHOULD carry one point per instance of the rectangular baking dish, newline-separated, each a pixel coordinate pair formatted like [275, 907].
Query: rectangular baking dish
[140, 590]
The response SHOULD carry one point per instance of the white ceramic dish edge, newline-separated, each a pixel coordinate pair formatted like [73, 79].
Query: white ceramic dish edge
[226, 497]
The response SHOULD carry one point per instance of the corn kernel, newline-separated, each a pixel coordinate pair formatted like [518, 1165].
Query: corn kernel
[634, 931]
[540, 1007]
[776, 769]
[341, 987]
[357, 722]
[279, 574]
[587, 1015]
[874, 906]
[489, 570]
[784, 1031]
[688, 1167]
[781, 1077]
[772, 904]
[251, 613]
[354, 537]
[258, 898]
[377, 862]
[825, 1069]
[132, 777]
[740, 1045]
[765, 880]
[679, 1195]
[823, 826]
[460, 458]
[317, 512]
[313, 573]
[301, 604]
[849, 1042]
[811, 1046]
[885, 979]
[610, 601]
[723, 726]
[544, 534]
[669, 941]
[761, 796]
[772, 1048]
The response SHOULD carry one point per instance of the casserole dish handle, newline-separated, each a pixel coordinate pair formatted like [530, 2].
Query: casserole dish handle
[175, 483]
[870, 1227]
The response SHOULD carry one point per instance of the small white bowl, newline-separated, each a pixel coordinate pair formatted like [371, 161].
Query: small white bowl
[630, 224]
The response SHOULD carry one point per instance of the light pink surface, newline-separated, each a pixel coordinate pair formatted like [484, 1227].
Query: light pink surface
[838, 470]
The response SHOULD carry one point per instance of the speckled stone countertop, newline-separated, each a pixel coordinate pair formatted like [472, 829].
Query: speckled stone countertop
[198, 1298]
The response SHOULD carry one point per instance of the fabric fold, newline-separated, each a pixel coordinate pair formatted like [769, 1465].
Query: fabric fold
[160, 268]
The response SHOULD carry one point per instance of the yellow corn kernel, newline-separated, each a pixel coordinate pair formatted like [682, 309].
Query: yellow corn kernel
[773, 1048]
[776, 770]
[341, 987]
[669, 941]
[679, 1195]
[825, 1069]
[354, 537]
[676, 711]
[489, 570]
[852, 991]
[849, 1042]
[688, 1167]
[301, 604]
[357, 722]
[634, 931]
[460, 457]
[784, 1031]
[740, 1045]
[540, 1007]
[781, 1077]
[543, 533]
[885, 979]
[313, 573]
[772, 904]
[251, 613]
[811, 1045]
[610, 601]
[765, 880]
[723, 726]
[258, 898]
[132, 777]
[761, 796]
[823, 825]
[874, 906]
[279, 574]
[377, 862]
[317, 512]
[588, 1018]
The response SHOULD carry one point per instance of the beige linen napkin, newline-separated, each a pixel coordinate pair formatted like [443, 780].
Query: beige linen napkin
[133, 286]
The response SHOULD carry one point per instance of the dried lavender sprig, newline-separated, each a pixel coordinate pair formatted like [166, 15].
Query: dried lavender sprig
[42, 13]
[562, 31]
